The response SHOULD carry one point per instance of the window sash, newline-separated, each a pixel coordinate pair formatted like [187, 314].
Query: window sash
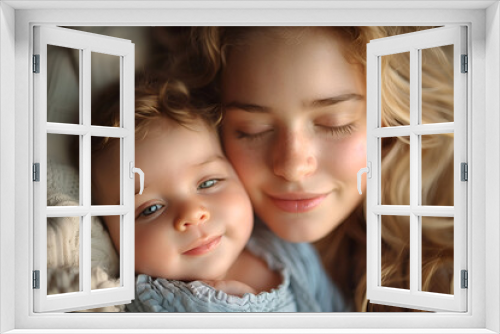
[414, 298]
[86, 43]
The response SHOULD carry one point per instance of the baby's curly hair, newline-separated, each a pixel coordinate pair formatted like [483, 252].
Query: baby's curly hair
[154, 99]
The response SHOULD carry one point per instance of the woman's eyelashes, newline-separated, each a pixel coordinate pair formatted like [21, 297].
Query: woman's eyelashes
[251, 136]
[338, 132]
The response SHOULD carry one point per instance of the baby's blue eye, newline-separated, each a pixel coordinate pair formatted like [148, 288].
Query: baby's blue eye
[152, 209]
[208, 184]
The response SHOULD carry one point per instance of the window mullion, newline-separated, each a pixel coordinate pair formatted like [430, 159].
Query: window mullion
[421, 210]
[85, 162]
[434, 128]
[395, 131]
[96, 210]
[420, 129]
[414, 171]
[85, 165]
[102, 131]
[80, 130]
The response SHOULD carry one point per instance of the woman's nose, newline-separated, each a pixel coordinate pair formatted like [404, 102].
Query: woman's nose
[294, 157]
[191, 214]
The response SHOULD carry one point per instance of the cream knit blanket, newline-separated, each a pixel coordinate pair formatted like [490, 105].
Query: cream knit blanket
[63, 251]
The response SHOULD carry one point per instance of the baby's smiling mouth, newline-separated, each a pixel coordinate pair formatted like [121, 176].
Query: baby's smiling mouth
[203, 246]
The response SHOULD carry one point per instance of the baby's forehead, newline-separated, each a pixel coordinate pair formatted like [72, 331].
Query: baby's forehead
[194, 140]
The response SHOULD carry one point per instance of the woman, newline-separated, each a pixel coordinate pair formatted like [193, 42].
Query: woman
[294, 127]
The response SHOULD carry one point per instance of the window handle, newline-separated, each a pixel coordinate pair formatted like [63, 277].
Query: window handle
[141, 175]
[368, 171]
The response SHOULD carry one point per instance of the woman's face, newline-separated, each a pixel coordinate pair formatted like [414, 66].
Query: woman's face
[295, 130]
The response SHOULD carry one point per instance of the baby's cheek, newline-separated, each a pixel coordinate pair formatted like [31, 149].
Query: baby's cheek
[149, 242]
[239, 214]
[141, 246]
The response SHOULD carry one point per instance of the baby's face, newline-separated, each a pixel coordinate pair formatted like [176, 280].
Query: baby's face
[194, 216]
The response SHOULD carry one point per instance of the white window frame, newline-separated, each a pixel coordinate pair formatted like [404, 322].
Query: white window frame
[413, 44]
[483, 20]
[86, 44]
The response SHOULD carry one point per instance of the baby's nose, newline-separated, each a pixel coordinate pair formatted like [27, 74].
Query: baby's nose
[191, 215]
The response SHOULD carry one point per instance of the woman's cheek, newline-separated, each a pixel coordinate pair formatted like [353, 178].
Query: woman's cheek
[242, 159]
[348, 157]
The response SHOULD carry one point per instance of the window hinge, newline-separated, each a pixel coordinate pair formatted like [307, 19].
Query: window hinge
[464, 172]
[465, 279]
[36, 63]
[465, 64]
[36, 172]
[36, 279]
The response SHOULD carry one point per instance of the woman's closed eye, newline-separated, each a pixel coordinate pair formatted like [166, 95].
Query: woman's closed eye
[252, 136]
[337, 132]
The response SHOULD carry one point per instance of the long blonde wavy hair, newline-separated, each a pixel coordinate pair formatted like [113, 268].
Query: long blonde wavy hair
[343, 251]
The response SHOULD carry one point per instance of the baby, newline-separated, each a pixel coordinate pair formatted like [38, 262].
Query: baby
[194, 246]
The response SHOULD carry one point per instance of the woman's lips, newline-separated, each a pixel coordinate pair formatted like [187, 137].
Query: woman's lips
[295, 204]
[204, 247]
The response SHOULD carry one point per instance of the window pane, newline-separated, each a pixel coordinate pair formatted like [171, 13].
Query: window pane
[395, 89]
[395, 252]
[105, 173]
[437, 84]
[105, 90]
[63, 85]
[437, 254]
[437, 169]
[395, 171]
[63, 178]
[105, 257]
[63, 255]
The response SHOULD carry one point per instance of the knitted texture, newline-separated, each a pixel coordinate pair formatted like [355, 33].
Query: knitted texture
[63, 241]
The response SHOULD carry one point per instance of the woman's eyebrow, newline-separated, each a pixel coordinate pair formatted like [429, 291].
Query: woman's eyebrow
[253, 108]
[329, 101]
